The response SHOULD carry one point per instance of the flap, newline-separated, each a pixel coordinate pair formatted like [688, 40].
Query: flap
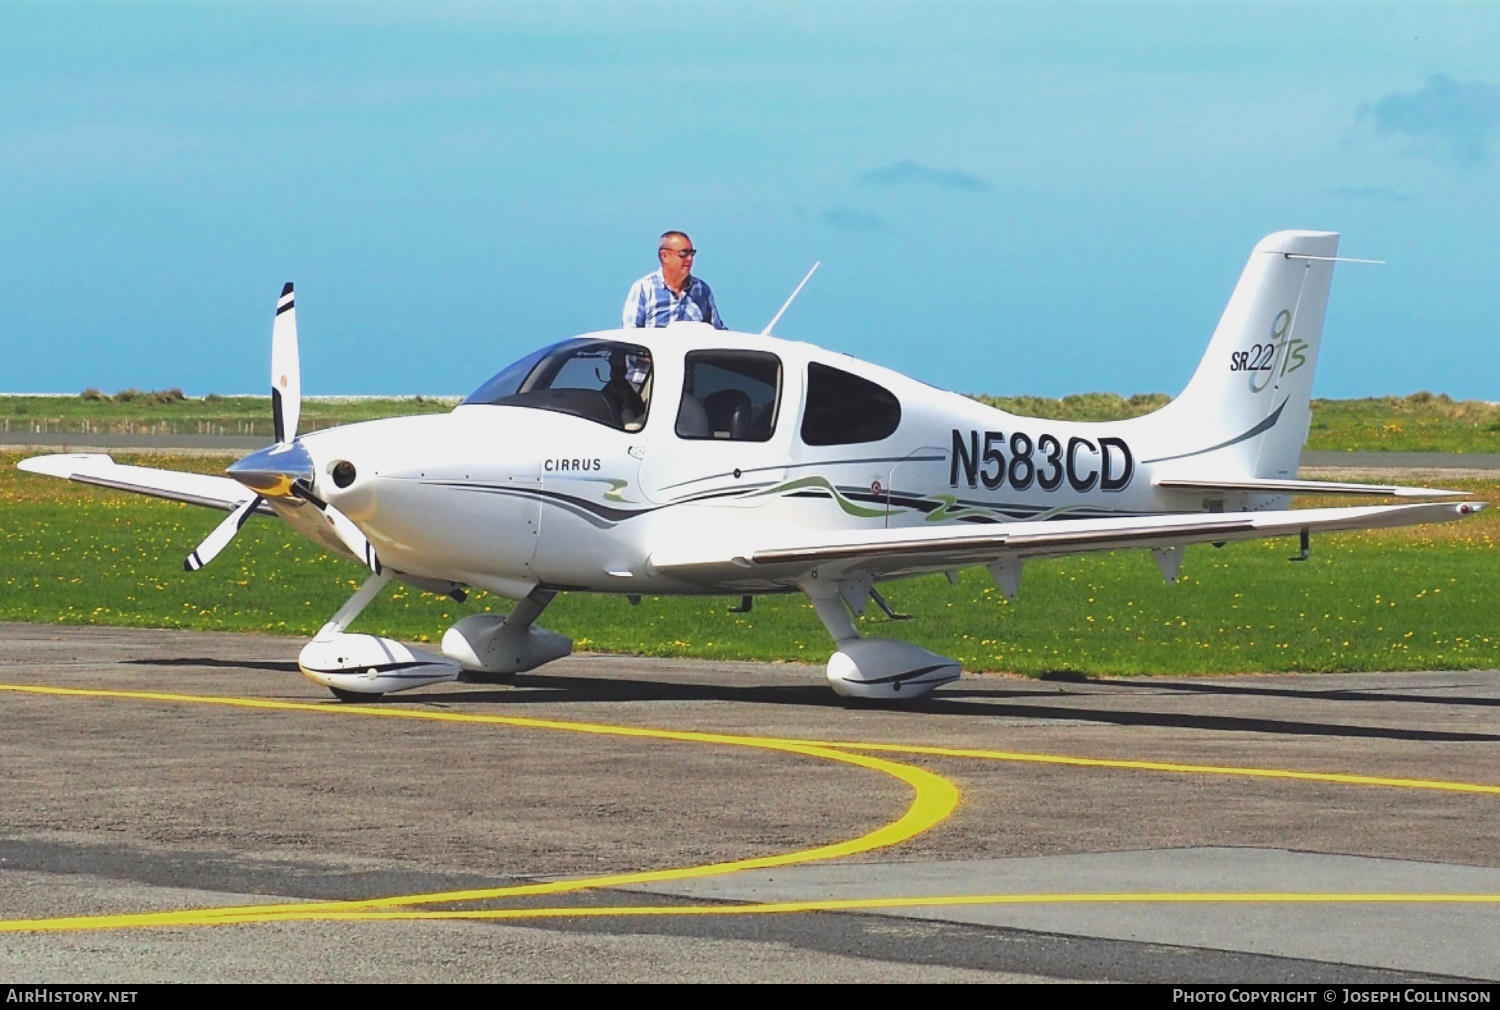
[1256, 485]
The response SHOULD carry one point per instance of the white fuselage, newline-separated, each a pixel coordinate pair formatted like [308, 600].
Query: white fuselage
[507, 498]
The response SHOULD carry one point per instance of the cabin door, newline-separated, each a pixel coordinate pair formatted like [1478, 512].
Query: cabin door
[723, 433]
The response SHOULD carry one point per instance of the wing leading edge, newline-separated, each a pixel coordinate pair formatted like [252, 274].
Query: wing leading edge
[892, 552]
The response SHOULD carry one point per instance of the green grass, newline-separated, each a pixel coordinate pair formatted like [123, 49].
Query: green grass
[168, 412]
[1422, 422]
[1398, 599]
[1079, 406]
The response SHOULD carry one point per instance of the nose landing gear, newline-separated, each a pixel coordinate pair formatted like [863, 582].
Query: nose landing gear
[364, 667]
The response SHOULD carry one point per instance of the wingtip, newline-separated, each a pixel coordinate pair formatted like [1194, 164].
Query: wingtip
[286, 289]
[60, 464]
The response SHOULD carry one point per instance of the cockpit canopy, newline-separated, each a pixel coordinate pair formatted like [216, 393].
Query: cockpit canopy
[728, 393]
[607, 381]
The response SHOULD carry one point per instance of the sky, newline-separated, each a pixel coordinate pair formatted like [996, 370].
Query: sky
[1007, 198]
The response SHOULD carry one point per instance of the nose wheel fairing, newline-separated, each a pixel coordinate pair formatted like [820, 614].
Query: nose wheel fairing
[367, 665]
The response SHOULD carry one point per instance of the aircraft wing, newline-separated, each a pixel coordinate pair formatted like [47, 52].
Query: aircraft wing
[100, 470]
[792, 555]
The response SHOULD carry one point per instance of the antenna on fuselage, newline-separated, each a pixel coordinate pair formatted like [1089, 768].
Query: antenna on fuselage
[784, 307]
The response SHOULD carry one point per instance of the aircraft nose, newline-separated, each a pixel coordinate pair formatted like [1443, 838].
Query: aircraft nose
[272, 471]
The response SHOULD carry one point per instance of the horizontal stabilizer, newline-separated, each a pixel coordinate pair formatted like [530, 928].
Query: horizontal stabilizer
[1272, 486]
[174, 485]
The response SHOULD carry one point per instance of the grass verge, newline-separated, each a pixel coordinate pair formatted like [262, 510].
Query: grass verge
[1422, 422]
[168, 412]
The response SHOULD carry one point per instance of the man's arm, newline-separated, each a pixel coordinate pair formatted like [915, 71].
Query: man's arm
[712, 315]
[635, 305]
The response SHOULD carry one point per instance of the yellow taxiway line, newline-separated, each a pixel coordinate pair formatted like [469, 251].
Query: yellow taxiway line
[1337, 778]
[934, 800]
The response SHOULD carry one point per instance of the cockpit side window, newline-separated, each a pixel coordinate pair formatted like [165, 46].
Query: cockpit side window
[606, 381]
[729, 395]
[843, 409]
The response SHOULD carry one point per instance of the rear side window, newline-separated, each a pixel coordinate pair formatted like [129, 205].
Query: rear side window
[729, 395]
[843, 409]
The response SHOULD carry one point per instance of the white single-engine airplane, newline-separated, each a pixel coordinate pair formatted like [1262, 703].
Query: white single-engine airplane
[689, 460]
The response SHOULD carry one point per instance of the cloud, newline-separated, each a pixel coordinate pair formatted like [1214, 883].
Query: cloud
[1374, 193]
[1450, 119]
[849, 219]
[909, 173]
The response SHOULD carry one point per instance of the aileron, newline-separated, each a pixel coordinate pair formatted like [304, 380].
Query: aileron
[1270, 486]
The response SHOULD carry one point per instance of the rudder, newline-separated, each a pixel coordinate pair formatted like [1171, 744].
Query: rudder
[1247, 408]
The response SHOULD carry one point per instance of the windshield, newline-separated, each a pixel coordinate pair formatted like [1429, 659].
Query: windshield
[606, 381]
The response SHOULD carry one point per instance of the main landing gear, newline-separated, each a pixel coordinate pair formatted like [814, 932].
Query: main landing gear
[872, 667]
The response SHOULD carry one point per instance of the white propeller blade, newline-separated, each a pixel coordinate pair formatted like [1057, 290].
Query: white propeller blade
[358, 544]
[220, 537]
[286, 370]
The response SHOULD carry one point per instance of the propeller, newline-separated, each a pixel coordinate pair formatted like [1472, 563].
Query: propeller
[220, 537]
[285, 469]
[286, 370]
[343, 527]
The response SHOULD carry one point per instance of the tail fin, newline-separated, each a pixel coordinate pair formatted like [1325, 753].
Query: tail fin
[1247, 410]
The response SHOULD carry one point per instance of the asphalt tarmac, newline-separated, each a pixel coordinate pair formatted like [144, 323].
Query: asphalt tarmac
[186, 806]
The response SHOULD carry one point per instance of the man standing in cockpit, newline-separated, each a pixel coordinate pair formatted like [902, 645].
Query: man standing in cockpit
[672, 294]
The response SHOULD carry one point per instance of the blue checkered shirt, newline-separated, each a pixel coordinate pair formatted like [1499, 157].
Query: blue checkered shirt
[652, 303]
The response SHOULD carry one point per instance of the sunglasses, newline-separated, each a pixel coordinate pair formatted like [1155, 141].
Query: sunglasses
[685, 254]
